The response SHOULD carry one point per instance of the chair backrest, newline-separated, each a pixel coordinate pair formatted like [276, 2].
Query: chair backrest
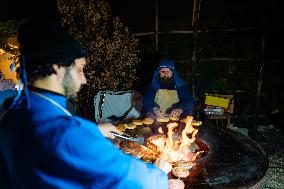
[113, 106]
[226, 102]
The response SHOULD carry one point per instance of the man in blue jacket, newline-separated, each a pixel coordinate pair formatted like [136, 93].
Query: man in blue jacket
[42, 145]
[167, 94]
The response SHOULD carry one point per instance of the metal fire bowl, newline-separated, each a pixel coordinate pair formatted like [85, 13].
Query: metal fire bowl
[232, 161]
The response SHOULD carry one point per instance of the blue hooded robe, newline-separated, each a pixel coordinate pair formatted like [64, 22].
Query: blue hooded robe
[44, 147]
[185, 98]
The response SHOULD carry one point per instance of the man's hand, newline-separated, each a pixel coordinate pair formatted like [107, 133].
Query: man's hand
[158, 112]
[164, 165]
[106, 128]
[176, 184]
[176, 112]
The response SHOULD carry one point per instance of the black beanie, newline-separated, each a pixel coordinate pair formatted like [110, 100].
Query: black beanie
[47, 43]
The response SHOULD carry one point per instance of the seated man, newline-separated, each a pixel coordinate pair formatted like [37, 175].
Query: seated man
[42, 145]
[167, 94]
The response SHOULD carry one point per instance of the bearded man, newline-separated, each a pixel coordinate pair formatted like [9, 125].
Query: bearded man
[41, 144]
[167, 94]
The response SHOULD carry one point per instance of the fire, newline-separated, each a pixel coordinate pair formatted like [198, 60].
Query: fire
[185, 142]
[169, 153]
[178, 150]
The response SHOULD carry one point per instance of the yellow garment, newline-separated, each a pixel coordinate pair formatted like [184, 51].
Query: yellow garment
[166, 98]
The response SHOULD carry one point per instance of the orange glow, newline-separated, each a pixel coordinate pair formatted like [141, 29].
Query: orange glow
[177, 150]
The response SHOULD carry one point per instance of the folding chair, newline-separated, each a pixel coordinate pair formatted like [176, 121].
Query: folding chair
[224, 110]
[118, 106]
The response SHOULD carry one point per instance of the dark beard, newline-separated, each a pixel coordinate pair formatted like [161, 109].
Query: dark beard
[166, 81]
[69, 85]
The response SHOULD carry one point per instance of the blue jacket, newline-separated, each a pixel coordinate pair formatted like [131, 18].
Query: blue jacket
[43, 147]
[186, 100]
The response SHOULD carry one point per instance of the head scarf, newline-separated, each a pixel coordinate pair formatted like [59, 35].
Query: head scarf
[166, 64]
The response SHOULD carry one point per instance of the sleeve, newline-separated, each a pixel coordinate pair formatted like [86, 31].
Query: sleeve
[186, 100]
[96, 161]
[148, 100]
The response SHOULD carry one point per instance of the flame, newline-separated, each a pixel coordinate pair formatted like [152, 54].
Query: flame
[186, 142]
[160, 130]
[174, 151]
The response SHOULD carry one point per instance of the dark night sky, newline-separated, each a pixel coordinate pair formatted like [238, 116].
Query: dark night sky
[36, 9]
[139, 16]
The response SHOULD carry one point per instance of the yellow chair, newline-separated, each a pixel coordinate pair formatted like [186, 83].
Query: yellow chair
[225, 102]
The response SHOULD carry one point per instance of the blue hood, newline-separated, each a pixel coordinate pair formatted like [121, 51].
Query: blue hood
[166, 64]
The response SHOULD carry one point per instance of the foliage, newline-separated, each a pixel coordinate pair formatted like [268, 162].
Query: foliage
[8, 29]
[112, 60]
